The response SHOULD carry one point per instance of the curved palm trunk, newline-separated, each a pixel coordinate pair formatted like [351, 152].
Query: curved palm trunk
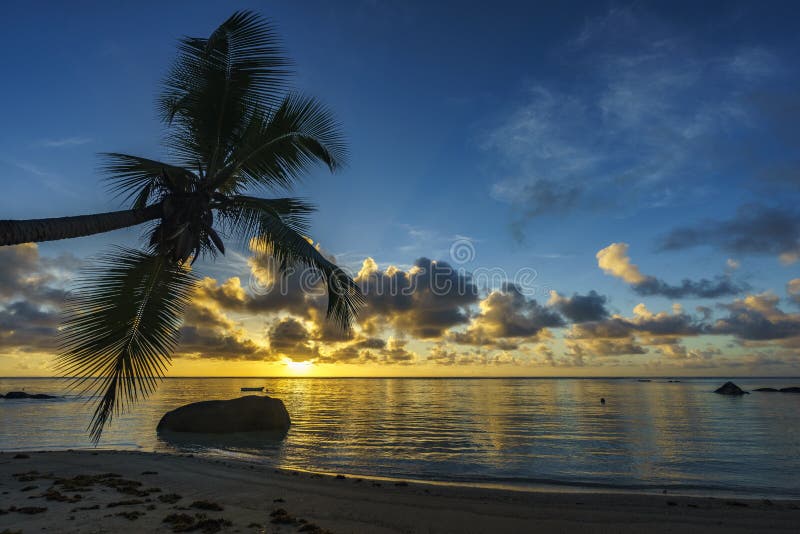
[35, 230]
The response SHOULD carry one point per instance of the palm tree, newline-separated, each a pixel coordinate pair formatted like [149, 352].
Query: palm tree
[232, 128]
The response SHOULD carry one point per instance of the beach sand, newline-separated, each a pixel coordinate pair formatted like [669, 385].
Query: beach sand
[251, 497]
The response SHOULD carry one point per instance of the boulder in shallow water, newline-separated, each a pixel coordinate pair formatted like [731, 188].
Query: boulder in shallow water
[793, 389]
[252, 413]
[23, 395]
[729, 388]
[766, 390]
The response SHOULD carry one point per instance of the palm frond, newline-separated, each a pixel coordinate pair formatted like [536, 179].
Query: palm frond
[121, 325]
[243, 219]
[140, 179]
[277, 147]
[274, 237]
[217, 81]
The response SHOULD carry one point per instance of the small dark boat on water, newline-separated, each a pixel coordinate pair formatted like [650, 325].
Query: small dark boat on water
[253, 389]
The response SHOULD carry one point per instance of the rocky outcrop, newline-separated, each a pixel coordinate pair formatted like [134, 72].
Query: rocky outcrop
[253, 413]
[766, 390]
[23, 395]
[729, 388]
[793, 389]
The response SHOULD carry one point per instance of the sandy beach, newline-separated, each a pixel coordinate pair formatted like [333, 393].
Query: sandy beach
[117, 491]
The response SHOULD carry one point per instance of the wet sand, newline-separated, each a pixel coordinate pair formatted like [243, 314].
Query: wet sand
[118, 491]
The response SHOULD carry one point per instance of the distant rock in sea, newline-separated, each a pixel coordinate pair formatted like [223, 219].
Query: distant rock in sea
[252, 413]
[766, 390]
[729, 388]
[23, 395]
[793, 389]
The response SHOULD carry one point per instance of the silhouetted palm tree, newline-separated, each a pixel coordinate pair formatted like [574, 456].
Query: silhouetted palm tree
[232, 128]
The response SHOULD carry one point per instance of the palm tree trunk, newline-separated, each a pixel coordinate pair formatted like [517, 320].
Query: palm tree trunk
[35, 230]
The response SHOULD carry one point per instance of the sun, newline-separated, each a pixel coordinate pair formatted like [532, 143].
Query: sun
[298, 367]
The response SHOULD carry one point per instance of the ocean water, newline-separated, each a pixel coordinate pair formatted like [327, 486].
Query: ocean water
[527, 433]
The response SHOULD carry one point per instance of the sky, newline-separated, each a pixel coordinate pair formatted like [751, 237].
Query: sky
[603, 188]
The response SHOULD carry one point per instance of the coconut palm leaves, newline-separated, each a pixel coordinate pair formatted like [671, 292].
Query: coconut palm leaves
[120, 327]
[232, 129]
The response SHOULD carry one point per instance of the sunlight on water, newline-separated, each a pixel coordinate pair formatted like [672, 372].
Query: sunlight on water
[513, 431]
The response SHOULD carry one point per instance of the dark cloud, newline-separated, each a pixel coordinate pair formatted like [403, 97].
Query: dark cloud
[614, 260]
[362, 350]
[30, 298]
[508, 318]
[291, 339]
[720, 286]
[758, 318]
[423, 302]
[27, 327]
[371, 350]
[208, 332]
[619, 335]
[197, 342]
[581, 308]
[755, 229]
[579, 350]
[24, 274]
[543, 197]
[793, 290]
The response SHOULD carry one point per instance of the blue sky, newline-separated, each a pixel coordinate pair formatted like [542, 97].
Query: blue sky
[540, 134]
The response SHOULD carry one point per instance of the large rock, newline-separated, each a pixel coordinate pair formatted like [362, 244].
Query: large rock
[23, 395]
[766, 390]
[793, 389]
[729, 388]
[252, 413]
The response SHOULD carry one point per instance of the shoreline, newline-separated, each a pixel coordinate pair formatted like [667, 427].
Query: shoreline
[521, 486]
[249, 492]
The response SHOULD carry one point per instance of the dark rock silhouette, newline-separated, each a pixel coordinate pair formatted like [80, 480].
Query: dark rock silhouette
[729, 388]
[768, 390]
[793, 389]
[23, 395]
[602, 401]
[246, 414]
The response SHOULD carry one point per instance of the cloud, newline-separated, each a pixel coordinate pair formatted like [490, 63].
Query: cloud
[197, 342]
[65, 142]
[793, 289]
[614, 260]
[720, 286]
[583, 348]
[26, 327]
[291, 339]
[31, 294]
[209, 333]
[620, 335]
[648, 115]
[758, 318]
[755, 229]
[362, 350]
[24, 274]
[506, 319]
[423, 302]
[580, 308]
[689, 357]
[444, 355]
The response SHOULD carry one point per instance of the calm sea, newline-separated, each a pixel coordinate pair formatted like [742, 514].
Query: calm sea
[512, 432]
